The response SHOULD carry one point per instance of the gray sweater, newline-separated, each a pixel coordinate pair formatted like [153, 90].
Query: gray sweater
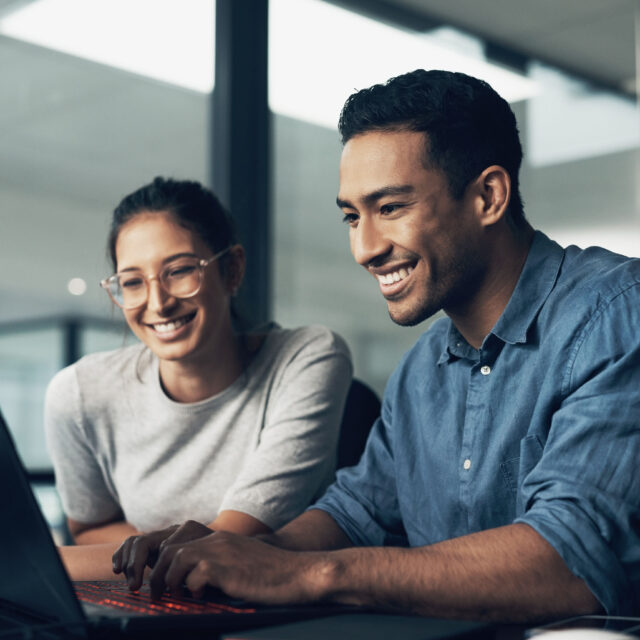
[264, 446]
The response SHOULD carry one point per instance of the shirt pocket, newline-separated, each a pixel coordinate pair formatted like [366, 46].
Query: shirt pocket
[515, 469]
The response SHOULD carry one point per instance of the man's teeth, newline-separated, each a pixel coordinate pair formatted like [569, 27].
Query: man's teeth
[170, 326]
[395, 276]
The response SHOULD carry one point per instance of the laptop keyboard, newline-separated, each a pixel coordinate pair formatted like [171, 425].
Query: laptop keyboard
[117, 595]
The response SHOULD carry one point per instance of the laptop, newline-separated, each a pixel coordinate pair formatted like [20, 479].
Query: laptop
[37, 596]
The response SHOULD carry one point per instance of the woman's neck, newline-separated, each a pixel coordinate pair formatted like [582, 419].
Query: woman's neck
[193, 380]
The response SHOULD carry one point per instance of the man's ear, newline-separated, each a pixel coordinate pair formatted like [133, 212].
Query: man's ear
[493, 194]
[235, 268]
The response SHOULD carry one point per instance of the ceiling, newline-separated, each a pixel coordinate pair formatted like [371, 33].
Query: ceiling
[592, 38]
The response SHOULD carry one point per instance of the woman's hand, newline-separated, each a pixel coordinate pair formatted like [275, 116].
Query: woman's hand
[138, 552]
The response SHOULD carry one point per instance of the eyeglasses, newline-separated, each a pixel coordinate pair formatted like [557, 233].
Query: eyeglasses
[181, 278]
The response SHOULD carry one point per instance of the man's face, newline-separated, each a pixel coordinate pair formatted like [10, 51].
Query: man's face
[422, 246]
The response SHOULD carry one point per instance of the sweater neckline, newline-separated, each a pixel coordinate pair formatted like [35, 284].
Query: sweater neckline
[219, 398]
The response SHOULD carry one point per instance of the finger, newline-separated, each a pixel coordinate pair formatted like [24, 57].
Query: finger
[184, 560]
[137, 560]
[157, 576]
[121, 555]
[189, 530]
[201, 576]
[174, 538]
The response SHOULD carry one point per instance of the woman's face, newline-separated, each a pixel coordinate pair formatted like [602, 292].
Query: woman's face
[175, 329]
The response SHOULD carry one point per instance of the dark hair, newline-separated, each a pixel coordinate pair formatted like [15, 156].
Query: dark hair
[195, 207]
[468, 126]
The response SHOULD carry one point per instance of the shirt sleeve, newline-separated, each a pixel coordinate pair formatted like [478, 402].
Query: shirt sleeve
[363, 500]
[79, 480]
[583, 496]
[295, 457]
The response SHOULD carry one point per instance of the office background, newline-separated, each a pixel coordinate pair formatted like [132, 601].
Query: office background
[99, 96]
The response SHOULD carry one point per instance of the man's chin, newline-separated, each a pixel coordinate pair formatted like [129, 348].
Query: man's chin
[410, 317]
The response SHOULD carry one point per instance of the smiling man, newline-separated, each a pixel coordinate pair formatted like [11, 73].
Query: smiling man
[501, 478]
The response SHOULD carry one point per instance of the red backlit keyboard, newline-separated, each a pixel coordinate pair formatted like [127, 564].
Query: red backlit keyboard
[118, 595]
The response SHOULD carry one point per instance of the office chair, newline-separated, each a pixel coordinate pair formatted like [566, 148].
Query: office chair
[361, 409]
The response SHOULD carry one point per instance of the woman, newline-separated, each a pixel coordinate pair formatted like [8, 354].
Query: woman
[196, 422]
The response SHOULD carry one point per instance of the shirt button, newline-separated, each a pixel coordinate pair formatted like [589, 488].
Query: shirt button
[485, 371]
[467, 464]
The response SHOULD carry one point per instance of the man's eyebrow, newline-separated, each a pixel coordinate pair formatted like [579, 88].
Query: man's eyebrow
[374, 196]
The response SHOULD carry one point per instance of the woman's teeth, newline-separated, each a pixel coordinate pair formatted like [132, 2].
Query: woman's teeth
[395, 276]
[171, 326]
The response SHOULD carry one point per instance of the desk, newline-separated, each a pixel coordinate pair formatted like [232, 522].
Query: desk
[373, 626]
[363, 626]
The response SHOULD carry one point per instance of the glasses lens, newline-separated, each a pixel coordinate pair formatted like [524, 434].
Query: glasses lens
[129, 289]
[181, 279]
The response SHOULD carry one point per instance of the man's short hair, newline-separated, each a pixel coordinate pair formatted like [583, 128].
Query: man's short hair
[468, 126]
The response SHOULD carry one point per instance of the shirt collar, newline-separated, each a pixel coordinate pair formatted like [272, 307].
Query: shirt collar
[536, 282]
[457, 346]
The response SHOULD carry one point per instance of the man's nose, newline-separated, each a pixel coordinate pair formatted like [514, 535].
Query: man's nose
[369, 242]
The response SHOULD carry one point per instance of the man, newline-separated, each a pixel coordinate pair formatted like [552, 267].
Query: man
[501, 479]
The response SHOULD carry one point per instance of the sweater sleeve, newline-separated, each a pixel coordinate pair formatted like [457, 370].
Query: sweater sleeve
[295, 457]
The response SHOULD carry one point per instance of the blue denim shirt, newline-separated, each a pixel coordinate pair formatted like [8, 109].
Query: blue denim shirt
[541, 425]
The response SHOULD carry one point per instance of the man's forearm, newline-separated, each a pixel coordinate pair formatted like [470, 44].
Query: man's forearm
[314, 530]
[509, 573]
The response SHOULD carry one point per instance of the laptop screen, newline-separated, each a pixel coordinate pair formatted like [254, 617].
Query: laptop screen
[33, 578]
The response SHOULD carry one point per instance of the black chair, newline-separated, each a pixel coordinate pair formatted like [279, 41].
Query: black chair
[360, 412]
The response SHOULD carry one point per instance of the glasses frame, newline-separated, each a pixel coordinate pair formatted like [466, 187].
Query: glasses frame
[201, 264]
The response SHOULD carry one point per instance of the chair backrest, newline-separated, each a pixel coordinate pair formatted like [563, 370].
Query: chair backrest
[360, 412]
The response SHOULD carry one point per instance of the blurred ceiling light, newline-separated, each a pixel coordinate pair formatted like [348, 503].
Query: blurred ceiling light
[319, 54]
[168, 40]
[572, 120]
[76, 286]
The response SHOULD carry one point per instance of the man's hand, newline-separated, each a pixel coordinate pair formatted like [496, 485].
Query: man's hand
[138, 552]
[242, 567]
[509, 573]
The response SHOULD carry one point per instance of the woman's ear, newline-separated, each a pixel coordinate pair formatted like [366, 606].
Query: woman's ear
[235, 268]
[493, 189]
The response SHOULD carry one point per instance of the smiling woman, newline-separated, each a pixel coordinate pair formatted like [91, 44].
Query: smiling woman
[199, 422]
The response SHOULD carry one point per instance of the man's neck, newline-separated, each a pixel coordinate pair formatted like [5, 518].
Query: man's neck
[477, 316]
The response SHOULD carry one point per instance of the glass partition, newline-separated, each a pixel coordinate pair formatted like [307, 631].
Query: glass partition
[30, 355]
[28, 360]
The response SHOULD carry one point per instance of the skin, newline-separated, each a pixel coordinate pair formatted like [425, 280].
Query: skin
[464, 256]
[189, 364]
[461, 256]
